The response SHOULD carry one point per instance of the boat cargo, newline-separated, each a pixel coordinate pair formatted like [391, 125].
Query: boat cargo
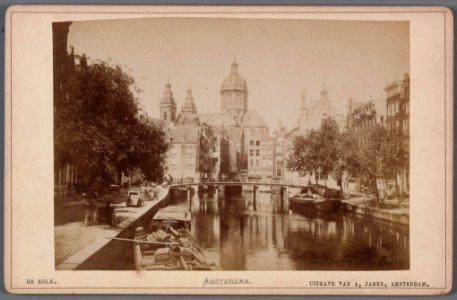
[168, 245]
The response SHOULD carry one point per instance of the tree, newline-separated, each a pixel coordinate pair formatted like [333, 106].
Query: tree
[317, 151]
[348, 161]
[326, 146]
[303, 158]
[395, 157]
[372, 145]
[97, 129]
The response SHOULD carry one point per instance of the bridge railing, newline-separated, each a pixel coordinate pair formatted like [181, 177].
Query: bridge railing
[283, 181]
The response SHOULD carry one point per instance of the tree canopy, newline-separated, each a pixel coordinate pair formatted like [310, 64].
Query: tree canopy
[317, 151]
[97, 128]
[370, 153]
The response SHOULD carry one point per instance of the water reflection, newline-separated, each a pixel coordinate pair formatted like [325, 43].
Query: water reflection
[241, 232]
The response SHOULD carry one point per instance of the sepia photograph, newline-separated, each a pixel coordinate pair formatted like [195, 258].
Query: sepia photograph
[228, 150]
[219, 144]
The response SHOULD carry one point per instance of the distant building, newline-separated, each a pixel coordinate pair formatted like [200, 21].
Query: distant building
[397, 104]
[368, 113]
[234, 94]
[235, 118]
[237, 148]
[182, 158]
[313, 111]
[168, 105]
[279, 162]
[188, 115]
[232, 128]
[255, 159]
[397, 98]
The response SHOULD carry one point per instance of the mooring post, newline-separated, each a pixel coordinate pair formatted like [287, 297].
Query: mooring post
[254, 193]
[282, 191]
[189, 197]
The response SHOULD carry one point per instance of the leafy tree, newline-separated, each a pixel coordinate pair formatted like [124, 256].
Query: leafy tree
[372, 146]
[327, 146]
[317, 151]
[395, 157]
[348, 161]
[97, 129]
[303, 158]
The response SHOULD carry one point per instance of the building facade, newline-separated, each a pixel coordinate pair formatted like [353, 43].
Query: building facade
[397, 104]
[313, 111]
[183, 154]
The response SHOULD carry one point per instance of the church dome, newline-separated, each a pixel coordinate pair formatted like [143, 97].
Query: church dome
[234, 81]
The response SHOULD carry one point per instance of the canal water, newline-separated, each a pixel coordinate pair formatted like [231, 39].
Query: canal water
[239, 233]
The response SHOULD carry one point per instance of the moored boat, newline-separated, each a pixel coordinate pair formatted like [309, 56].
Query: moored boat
[169, 244]
[316, 199]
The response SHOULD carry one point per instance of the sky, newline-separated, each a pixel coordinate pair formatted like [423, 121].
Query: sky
[278, 59]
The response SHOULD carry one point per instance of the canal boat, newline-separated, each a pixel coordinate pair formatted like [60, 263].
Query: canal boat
[169, 244]
[316, 199]
[171, 256]
[177, 216]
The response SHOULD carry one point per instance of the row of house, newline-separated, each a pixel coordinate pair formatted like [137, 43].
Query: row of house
[391, 111]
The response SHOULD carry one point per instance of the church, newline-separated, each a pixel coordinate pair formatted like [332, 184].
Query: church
[235, 128]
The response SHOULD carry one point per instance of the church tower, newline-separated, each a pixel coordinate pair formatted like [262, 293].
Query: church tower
[234, 93]
[304, 110]
[168, 105]
[188, 115]
[188, 106]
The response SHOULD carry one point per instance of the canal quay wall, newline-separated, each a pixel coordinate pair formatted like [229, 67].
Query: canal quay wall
[102, 254]
[395, 215]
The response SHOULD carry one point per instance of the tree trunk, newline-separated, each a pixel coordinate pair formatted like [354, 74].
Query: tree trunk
[375, 183]
[340, 182]
[315, 178]
[397, 189]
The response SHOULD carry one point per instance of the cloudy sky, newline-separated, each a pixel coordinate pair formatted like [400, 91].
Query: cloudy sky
[278, 58]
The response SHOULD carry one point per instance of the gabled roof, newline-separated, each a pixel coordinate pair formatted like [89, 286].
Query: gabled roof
[184, 134]
[252, 119]
[159, 123]
[217, 119]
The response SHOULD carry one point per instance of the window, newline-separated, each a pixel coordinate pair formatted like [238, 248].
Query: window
[406, 126]
[165, 115]
[257, 143]
[252, 143]
[251, 152]
[257, 152]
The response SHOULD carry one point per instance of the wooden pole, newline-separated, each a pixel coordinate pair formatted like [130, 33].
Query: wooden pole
[255, 197]
[282, 191]
[189, 197]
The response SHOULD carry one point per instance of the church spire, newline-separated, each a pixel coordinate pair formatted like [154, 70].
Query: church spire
[234, 64]
[189, 105]
[168, 104]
